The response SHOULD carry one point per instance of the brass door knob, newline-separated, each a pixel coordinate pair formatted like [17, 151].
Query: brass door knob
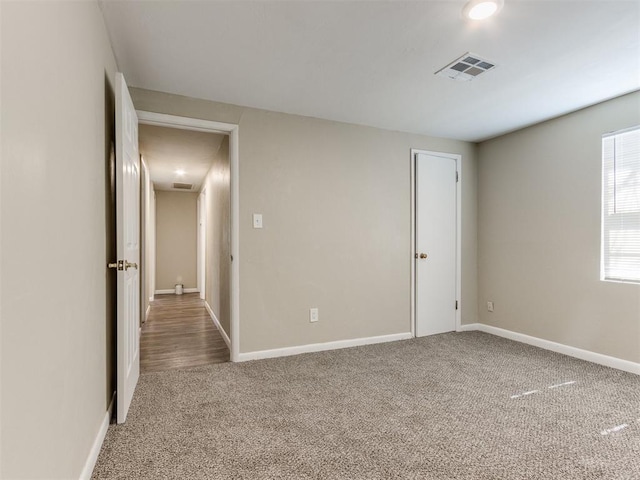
[423, 255]
[123, 265]
[119, 265]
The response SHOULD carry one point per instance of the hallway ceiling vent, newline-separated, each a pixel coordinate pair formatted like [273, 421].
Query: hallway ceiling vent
[183, 186]
[466, 68]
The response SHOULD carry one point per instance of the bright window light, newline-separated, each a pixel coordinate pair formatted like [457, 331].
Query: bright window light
[620, 259]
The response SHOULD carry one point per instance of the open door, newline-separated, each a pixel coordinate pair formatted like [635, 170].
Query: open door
[128, 248]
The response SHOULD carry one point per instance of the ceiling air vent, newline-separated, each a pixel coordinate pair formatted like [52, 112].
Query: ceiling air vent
[183, 186]
[466, 68]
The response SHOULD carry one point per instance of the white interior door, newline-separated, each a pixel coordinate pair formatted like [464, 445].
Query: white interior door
[128, 246]
[436, 244]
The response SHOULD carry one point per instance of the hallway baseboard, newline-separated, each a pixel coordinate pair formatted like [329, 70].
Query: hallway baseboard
[170, 291]
[90, 464]
[225, 337]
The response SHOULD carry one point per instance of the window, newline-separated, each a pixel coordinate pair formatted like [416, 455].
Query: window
[621, 206]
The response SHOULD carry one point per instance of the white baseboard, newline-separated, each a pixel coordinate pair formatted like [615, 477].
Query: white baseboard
[90, 464]
[169, 291]
[146, 314]
[319, 347]
[470, 327]
[151, 298]
[587, 355]
[226, 338]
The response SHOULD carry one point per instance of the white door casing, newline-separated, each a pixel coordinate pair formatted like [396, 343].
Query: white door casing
[436, 243]
[202, 242]
[128, 248]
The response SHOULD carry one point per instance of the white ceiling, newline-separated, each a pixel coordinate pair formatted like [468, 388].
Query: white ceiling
[166, 150]
[373, 63]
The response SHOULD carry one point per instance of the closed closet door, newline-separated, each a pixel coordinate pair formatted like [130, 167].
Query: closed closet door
[436, 244]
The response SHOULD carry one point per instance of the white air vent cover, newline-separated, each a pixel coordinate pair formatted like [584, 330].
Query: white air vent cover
[183, 186]
[466, 68]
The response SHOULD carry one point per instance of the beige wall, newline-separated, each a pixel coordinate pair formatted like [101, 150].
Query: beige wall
[176, 239]
[56, 62]
[336, 204]
[539, 234]
[218, 236]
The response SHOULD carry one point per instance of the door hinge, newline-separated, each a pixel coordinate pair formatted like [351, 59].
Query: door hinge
[457, 176]
[456, 304]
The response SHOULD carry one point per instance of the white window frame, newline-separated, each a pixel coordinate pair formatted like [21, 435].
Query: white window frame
[623, 224]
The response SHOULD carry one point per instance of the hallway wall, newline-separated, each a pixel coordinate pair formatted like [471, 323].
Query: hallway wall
[176, 239]
[57, 70]
[218, 236]
[148, 227]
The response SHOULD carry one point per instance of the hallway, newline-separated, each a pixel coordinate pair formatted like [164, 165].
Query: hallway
[180, 333]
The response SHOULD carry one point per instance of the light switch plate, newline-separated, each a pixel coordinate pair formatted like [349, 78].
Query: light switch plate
[257, 220]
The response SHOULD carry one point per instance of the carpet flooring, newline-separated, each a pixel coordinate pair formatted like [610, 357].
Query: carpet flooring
[452, 406]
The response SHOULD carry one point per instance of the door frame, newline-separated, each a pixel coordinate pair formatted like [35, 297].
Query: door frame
[232, 130]
[458, 160]
[202, 243]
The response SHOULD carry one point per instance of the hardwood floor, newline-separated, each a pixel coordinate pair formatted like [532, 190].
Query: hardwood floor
[180, 333]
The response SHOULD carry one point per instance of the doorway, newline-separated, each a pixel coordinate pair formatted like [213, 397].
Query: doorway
[202, 239]
[179, 164]
[436, 242]
[230, 132]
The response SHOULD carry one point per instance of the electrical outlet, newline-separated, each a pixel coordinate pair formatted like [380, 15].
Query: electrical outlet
[490, 306]
[313, 315]
[257, 220]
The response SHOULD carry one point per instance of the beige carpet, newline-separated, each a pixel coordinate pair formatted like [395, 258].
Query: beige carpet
[452, 406]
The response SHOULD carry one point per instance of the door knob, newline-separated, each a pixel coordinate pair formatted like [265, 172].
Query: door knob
[122, 265]
[423, 255]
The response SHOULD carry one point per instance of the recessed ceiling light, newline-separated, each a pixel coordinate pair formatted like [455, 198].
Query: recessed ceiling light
[180, 172]
[481, 9]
